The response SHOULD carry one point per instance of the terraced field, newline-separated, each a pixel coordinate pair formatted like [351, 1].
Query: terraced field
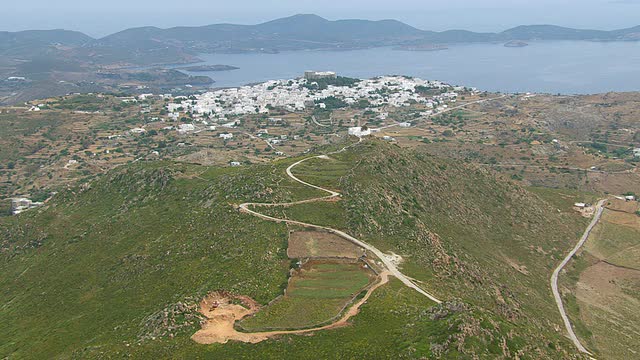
[606, 282]
[316, 294]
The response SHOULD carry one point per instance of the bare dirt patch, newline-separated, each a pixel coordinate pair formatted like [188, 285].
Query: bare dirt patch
[319, 244]
[219, 326]
[222, 310]
[519, 268]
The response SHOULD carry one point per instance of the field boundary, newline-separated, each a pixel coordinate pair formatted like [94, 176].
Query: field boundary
[330, 321]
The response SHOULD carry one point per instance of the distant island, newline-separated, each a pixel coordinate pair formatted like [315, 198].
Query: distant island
[422, 47]
[208, 68]
[516, 44]
[58, 62]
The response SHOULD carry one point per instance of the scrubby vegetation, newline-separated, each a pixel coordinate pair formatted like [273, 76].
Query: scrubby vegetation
[93, 273]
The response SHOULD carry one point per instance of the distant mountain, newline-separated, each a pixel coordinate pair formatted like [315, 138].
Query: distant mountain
[551, 32]
[39, 41]
[305, 31]
[152, 45]
[291, 33]
[49, 58]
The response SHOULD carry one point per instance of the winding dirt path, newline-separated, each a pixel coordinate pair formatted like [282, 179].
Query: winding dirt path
[388, 263]
[556, 272]
[219, 326]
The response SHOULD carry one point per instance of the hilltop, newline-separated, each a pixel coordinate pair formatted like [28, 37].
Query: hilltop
[116, 266]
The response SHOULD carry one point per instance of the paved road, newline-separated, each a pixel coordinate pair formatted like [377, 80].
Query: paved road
[556, 272]
[391, 267]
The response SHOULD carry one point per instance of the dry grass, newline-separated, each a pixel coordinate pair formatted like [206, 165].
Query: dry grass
[317, 244]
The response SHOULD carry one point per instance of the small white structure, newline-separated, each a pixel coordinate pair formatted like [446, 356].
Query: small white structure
[186, 128]
[636, 152]
[630, 198]
[404, 124]
[137, 131]
[317, 75]
[234, 163]
[359, 131]
[230, 125]
[580, 205]
[226, 136]
[19, 205]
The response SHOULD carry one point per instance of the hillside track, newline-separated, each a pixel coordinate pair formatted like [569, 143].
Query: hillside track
[389, 265]
[556, 272]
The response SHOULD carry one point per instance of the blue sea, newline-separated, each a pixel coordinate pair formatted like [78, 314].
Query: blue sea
[566, 67]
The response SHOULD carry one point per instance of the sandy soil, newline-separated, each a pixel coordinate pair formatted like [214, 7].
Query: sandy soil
[218, 328]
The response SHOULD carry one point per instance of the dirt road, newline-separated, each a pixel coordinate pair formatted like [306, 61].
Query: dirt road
[218, 329]
[389, 265]
[556, 272]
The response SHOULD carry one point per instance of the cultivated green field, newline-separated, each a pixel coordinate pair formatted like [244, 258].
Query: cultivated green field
[315, 295]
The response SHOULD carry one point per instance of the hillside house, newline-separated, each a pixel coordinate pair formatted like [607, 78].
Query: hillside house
[359, 131]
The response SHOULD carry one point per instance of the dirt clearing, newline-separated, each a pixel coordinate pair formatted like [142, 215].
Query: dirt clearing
[318, 244]
[218, 329]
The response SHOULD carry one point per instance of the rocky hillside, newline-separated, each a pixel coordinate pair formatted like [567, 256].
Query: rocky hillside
[115, 267]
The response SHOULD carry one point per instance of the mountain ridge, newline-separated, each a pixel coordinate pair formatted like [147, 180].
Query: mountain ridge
[313, 27]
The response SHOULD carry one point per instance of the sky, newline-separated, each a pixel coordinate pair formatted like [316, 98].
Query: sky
[105, 17]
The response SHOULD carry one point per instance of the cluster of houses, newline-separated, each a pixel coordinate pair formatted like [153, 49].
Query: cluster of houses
[295, 96]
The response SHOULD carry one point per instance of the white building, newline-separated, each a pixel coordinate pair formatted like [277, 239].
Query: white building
[359, 131]
[318, 75]
[226, 136]
[186, 128]
[19, 205]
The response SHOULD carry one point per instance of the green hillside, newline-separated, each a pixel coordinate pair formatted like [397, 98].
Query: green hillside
[115, 267]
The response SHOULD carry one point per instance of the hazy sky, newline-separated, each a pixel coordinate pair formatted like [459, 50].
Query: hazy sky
[104, 17]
